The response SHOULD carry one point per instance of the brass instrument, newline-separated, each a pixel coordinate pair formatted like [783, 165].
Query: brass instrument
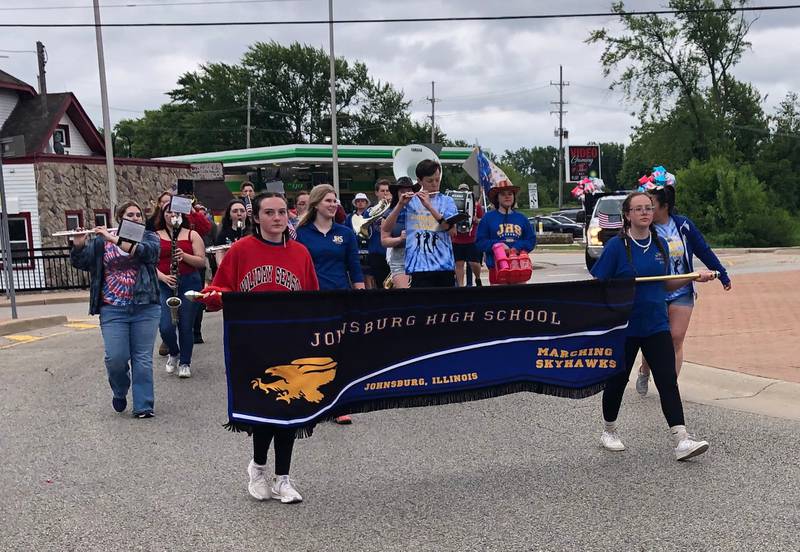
[174, 302]
[362, 226]
[239, 227]
[388, 283]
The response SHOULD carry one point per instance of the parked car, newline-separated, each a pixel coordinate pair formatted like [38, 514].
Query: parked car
[574, 215]
[606, 207]
[551, 224]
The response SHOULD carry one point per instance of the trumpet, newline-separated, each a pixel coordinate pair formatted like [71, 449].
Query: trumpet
[69, 233]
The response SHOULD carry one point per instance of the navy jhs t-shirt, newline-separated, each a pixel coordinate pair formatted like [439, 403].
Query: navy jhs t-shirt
[649, 314]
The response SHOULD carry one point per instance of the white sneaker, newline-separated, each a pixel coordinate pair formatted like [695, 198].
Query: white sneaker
[184, 371]
[257, 486]
[283, 490]
[689, 448]
[641, 383]
[172, 363]
[611, 441]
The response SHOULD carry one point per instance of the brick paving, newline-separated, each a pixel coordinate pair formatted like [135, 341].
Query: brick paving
[754, 328]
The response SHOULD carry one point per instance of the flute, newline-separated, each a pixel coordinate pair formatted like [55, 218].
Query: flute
[63, 233]
[215, 248]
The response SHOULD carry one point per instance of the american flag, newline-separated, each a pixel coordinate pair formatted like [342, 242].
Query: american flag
[609, 221]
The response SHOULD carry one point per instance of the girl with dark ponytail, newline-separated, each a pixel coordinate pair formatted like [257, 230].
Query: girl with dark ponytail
[638, 251]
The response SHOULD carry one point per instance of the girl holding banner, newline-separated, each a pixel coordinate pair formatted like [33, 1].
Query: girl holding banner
[269, 249]
[639, 252]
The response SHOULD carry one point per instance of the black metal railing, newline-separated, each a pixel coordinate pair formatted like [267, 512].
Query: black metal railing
[44, 268]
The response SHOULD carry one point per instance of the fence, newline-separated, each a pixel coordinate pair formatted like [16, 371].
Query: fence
[44, 268]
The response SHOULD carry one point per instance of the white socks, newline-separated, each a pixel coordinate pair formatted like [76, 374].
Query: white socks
[610, 427]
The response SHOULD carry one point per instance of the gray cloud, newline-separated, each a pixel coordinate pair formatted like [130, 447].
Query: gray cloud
[492, 77]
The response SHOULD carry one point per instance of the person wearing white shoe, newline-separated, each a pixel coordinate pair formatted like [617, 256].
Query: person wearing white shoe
[268, 248]
[639, 251]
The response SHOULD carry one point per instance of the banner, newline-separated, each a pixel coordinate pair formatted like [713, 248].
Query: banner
[296, 358]
[583, 162]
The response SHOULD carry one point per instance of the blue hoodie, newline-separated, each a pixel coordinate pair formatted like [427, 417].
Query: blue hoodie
[513, 229]
[695, 244]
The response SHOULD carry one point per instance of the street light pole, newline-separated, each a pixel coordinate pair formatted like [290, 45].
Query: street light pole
[334, 137]
[6, 244]
[112, 176]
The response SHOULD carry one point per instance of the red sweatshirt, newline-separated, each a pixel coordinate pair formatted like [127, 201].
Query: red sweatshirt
[253, 265]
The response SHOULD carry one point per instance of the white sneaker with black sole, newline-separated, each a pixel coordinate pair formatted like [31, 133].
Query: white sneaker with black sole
[689, 448]
[184, 371]
[283, 490]
[258, 487]
[172, 364]
[611, 441]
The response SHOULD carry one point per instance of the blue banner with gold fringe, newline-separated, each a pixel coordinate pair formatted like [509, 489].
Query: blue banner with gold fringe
[293, 359]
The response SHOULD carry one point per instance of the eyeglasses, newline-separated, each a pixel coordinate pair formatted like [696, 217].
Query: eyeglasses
[643, 209]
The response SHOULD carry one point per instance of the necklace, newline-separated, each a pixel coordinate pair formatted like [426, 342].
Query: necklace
[643, 246]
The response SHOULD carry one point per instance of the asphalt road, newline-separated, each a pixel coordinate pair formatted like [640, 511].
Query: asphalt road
[522, 472]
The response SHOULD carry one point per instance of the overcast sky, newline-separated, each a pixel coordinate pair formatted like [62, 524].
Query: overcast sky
[493, 78]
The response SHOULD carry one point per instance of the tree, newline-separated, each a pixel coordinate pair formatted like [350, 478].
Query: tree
[778, 166]
[538, 164]
[686, 61]
[612, 155]
[290, 103]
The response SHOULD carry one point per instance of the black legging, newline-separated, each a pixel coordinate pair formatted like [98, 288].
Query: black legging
[284, 442]
[660, 355]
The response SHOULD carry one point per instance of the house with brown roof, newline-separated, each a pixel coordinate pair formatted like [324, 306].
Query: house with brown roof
[55, 176]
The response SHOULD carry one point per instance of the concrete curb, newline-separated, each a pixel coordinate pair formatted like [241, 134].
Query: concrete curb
[27, 324]
[734, 391]
[44, 300]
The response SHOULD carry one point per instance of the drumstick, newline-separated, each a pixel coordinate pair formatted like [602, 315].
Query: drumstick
[690, 276]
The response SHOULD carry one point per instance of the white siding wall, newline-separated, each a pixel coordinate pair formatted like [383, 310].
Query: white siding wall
[20, 185]
[78, 145]
[8, 101]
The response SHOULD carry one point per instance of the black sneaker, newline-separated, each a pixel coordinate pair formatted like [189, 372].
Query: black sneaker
[119, 404]
[145, 414]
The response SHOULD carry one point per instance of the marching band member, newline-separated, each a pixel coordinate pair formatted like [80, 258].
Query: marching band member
[124, 292]
[333, 247]
[376, 253]
[247, 191]
[361, 205]
[300, 208]
[685, 241]
[504, 225]
[465, 250]
[269, 245]
[639, 251]
[234, 226]
[393, 237]
[190, 254]
[429, 250]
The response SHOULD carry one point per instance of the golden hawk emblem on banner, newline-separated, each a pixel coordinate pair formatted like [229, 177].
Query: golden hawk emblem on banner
[301, 378]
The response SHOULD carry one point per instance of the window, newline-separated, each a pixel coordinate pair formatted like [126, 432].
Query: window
[74, 219]
[21, 238]
[101, 217]
[62, 133]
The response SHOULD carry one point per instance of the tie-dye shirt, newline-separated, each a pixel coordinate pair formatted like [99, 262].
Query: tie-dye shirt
[670, 233]
[119, 276]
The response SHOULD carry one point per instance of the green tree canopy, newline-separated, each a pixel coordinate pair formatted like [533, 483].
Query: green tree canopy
[290, 103]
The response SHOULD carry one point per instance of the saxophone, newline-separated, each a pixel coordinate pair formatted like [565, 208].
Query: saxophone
[174, 302]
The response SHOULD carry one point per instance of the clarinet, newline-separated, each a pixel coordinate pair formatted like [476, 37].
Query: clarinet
[174, 302]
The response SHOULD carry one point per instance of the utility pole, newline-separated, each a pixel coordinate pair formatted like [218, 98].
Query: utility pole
[433, 101]
[334, 137]
[5, 244]
[101, 63]
[41, 56]
[560, 132]
[248, 117]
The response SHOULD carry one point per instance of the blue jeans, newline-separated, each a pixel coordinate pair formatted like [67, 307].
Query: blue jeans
[183, 342]
[129, 334]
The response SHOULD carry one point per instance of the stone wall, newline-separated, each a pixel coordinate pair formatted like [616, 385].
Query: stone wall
[82, 186]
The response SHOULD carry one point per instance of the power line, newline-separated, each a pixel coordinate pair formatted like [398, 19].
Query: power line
[584, 15]
[144, 5]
